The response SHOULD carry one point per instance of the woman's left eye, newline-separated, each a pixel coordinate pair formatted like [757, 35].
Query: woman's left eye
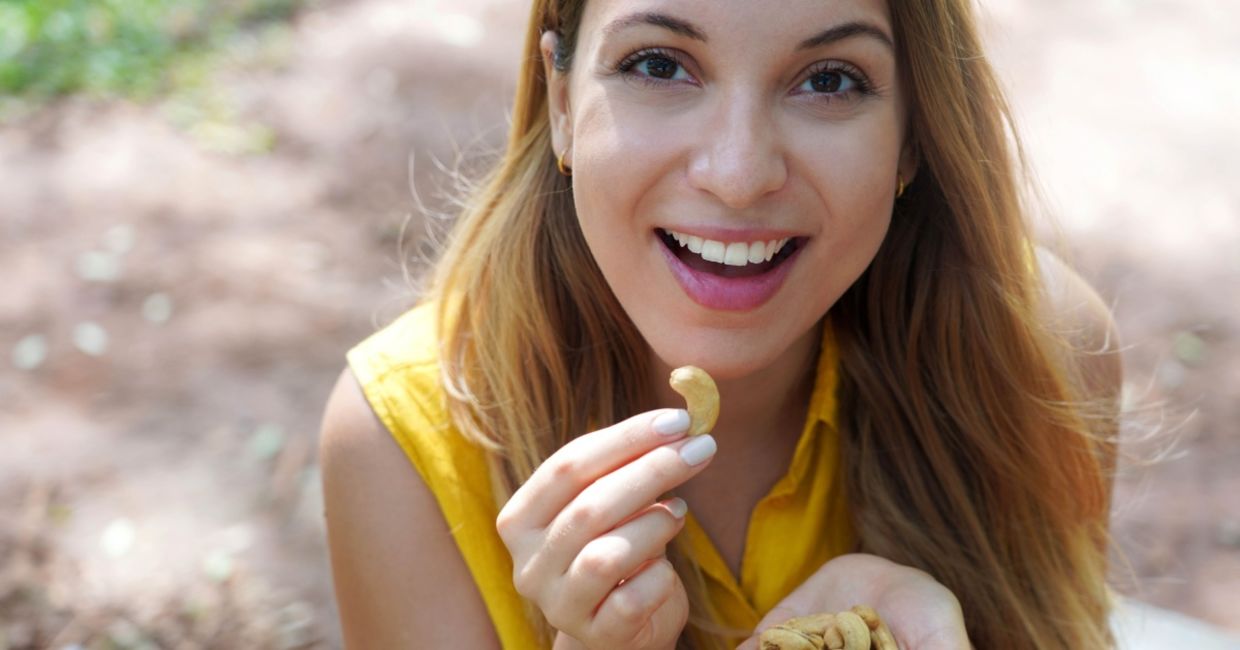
[653, 66]
[831, 82]
[661, 67]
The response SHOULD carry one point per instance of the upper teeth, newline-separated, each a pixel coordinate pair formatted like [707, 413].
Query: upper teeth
[733, 254]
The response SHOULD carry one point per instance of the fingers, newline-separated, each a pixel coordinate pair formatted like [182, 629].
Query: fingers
[582, 461]
[650, 605]
[619, 555]
[613, 498]
[588, 536]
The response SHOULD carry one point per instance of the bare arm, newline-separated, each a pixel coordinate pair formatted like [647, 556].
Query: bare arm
[399, 577]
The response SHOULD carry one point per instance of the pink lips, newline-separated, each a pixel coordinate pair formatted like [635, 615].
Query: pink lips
[728, 294]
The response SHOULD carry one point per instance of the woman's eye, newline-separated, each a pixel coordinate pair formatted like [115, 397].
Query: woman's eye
[655, 67]
[830, 82]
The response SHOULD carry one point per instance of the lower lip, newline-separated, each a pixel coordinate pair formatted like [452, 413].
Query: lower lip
[728, 294]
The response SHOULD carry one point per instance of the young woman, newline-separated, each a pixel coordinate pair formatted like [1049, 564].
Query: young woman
[817, 202]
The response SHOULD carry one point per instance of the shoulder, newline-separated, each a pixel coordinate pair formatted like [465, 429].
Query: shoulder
[400, 579]
[1074, 310]
[397, 370]
[409, 341]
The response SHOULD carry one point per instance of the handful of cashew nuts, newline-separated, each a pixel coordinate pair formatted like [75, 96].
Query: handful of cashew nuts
[701, 397]
[857, 629]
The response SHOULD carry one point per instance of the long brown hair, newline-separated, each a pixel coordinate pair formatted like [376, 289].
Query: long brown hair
[966, 442]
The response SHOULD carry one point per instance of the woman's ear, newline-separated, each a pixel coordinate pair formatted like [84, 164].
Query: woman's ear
[558, 110]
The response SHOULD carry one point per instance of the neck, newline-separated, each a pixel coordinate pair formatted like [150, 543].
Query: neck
[770, 401]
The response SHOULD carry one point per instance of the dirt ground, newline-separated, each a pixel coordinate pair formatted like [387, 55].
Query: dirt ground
[176, 308]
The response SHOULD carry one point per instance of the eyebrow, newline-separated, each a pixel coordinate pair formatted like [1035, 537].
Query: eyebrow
[847, 30]
[665, 21]
[687, 29]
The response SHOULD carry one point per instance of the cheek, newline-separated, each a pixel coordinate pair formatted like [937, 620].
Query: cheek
[605, 205]
[853, 163]
[619, 163]
[852, 174]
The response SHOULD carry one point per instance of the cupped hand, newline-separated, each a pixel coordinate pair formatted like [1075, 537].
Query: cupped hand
[921, 612]
[588, 533]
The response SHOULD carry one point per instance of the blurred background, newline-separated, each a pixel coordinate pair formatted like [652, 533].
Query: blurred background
[204, 204]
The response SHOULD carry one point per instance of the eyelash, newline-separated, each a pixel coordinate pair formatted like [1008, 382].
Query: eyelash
[626, 65]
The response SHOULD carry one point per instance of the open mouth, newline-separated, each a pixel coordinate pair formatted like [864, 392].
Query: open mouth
[729, 260]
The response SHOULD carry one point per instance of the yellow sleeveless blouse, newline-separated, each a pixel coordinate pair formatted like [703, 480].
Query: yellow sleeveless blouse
[801, 524]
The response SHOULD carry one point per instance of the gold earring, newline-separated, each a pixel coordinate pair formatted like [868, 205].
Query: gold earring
[559, 164]
[899, 186]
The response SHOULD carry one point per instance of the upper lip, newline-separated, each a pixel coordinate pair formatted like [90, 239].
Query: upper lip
[728, 234]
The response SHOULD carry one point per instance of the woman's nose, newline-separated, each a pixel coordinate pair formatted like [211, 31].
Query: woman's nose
[740, 158]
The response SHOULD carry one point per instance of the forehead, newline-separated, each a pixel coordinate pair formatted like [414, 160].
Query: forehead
[739, 19]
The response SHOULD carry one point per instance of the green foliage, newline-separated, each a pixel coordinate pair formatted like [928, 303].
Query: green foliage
[116, 47]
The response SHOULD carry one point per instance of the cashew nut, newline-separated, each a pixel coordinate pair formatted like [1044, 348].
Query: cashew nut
[701, 397]
[868, 615]
[859, 629]
[880, 634]
[832, 638]
[784, 638]
[854, 630]
[815, 624]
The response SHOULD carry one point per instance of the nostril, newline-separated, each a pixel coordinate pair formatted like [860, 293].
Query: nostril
[738, 180]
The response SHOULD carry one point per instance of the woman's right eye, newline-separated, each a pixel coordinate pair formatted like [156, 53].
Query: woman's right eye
[653, 67]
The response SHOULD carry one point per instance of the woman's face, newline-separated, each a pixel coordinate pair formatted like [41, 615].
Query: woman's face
[734, 165]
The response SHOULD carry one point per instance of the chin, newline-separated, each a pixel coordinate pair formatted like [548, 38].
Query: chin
[726, 356]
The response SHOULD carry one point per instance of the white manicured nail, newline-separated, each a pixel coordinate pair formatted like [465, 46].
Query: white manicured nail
[677, 507]
[698, 450]
[672, 422]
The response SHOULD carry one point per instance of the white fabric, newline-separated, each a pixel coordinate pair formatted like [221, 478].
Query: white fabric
[1139, 626]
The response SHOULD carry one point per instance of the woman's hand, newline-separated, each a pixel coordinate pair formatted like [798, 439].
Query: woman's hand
[922, 614]
[588, 534]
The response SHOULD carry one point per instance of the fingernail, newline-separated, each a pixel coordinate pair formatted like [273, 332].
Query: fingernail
[698, 450]
[678, 507]
[672, 422]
